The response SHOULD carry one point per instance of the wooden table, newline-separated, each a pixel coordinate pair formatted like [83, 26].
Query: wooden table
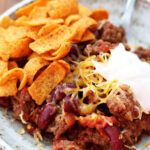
[5, 4]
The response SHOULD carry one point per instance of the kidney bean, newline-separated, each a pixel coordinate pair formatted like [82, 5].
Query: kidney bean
[59, 93]
[46, 115]
[71, 105]
[113, 132]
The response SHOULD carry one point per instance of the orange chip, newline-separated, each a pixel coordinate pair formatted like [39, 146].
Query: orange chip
[48, 28]
[62, 8]
[52, 41]
[33, 55]
[3, 67]
[38, 12]
[40, 21]
[32, 32]
[20, 48]
[80, 27]
[24, 11]
[12, 65]
[20, 21]
[4, 50]
[71, 19]
[16, 73]
[33, 66]
[84, 11]
[6, 22]
[3, 32]
[65, 65]
[46, 82]
[9, 88]
[14, 33]
[88, 36]
[99, 14]
[60, 53]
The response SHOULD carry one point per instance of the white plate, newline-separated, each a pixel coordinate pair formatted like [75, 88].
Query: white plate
[138, 34]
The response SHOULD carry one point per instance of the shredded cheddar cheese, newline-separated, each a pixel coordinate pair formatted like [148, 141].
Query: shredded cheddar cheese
[85, 79]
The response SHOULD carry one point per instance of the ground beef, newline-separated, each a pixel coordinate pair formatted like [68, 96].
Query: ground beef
[58, 126]
[5, 102]
[132, 131]
[98, 47]
[111, 33]
[83, 139]
[122, 104]
[23, 102]
[65, 145]
[93, 137]
[143, 54]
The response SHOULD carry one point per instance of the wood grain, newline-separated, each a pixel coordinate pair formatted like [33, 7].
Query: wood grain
[5, 4]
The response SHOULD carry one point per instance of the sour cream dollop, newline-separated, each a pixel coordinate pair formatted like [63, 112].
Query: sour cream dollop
[127, 68]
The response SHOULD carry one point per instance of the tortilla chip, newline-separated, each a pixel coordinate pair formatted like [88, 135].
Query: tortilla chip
[84, 11]
[80, 27]
[32, 32]
[16, 73]
[33, 55]
[88, 36]
[60, 53]
[62, 8]
[72, 19]
[25, 11]
[33, 66]
[52, 41]
[20, 48]
[99, 14]
[8, 89]
[4, 50]
[38, 12]
[3, 32]
[12, 65]
[14, 33]
[20, 21]
[3, 67]
[46, 82]
[48, 28]
[40, 21]
[6, 22]
[65, 65]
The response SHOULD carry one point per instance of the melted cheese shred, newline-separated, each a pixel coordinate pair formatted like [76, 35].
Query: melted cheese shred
[85, 79]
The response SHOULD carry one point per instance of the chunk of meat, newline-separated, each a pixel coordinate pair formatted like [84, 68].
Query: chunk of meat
[58, 127]
[5, 102]
[111, 33]
[98, 47]
[143, 54]
[132, 131]
[93, 136]
[23, 103]
[122, 105]
[63, 144]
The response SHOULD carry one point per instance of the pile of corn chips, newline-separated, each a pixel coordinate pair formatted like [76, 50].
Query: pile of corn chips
[43, 33]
